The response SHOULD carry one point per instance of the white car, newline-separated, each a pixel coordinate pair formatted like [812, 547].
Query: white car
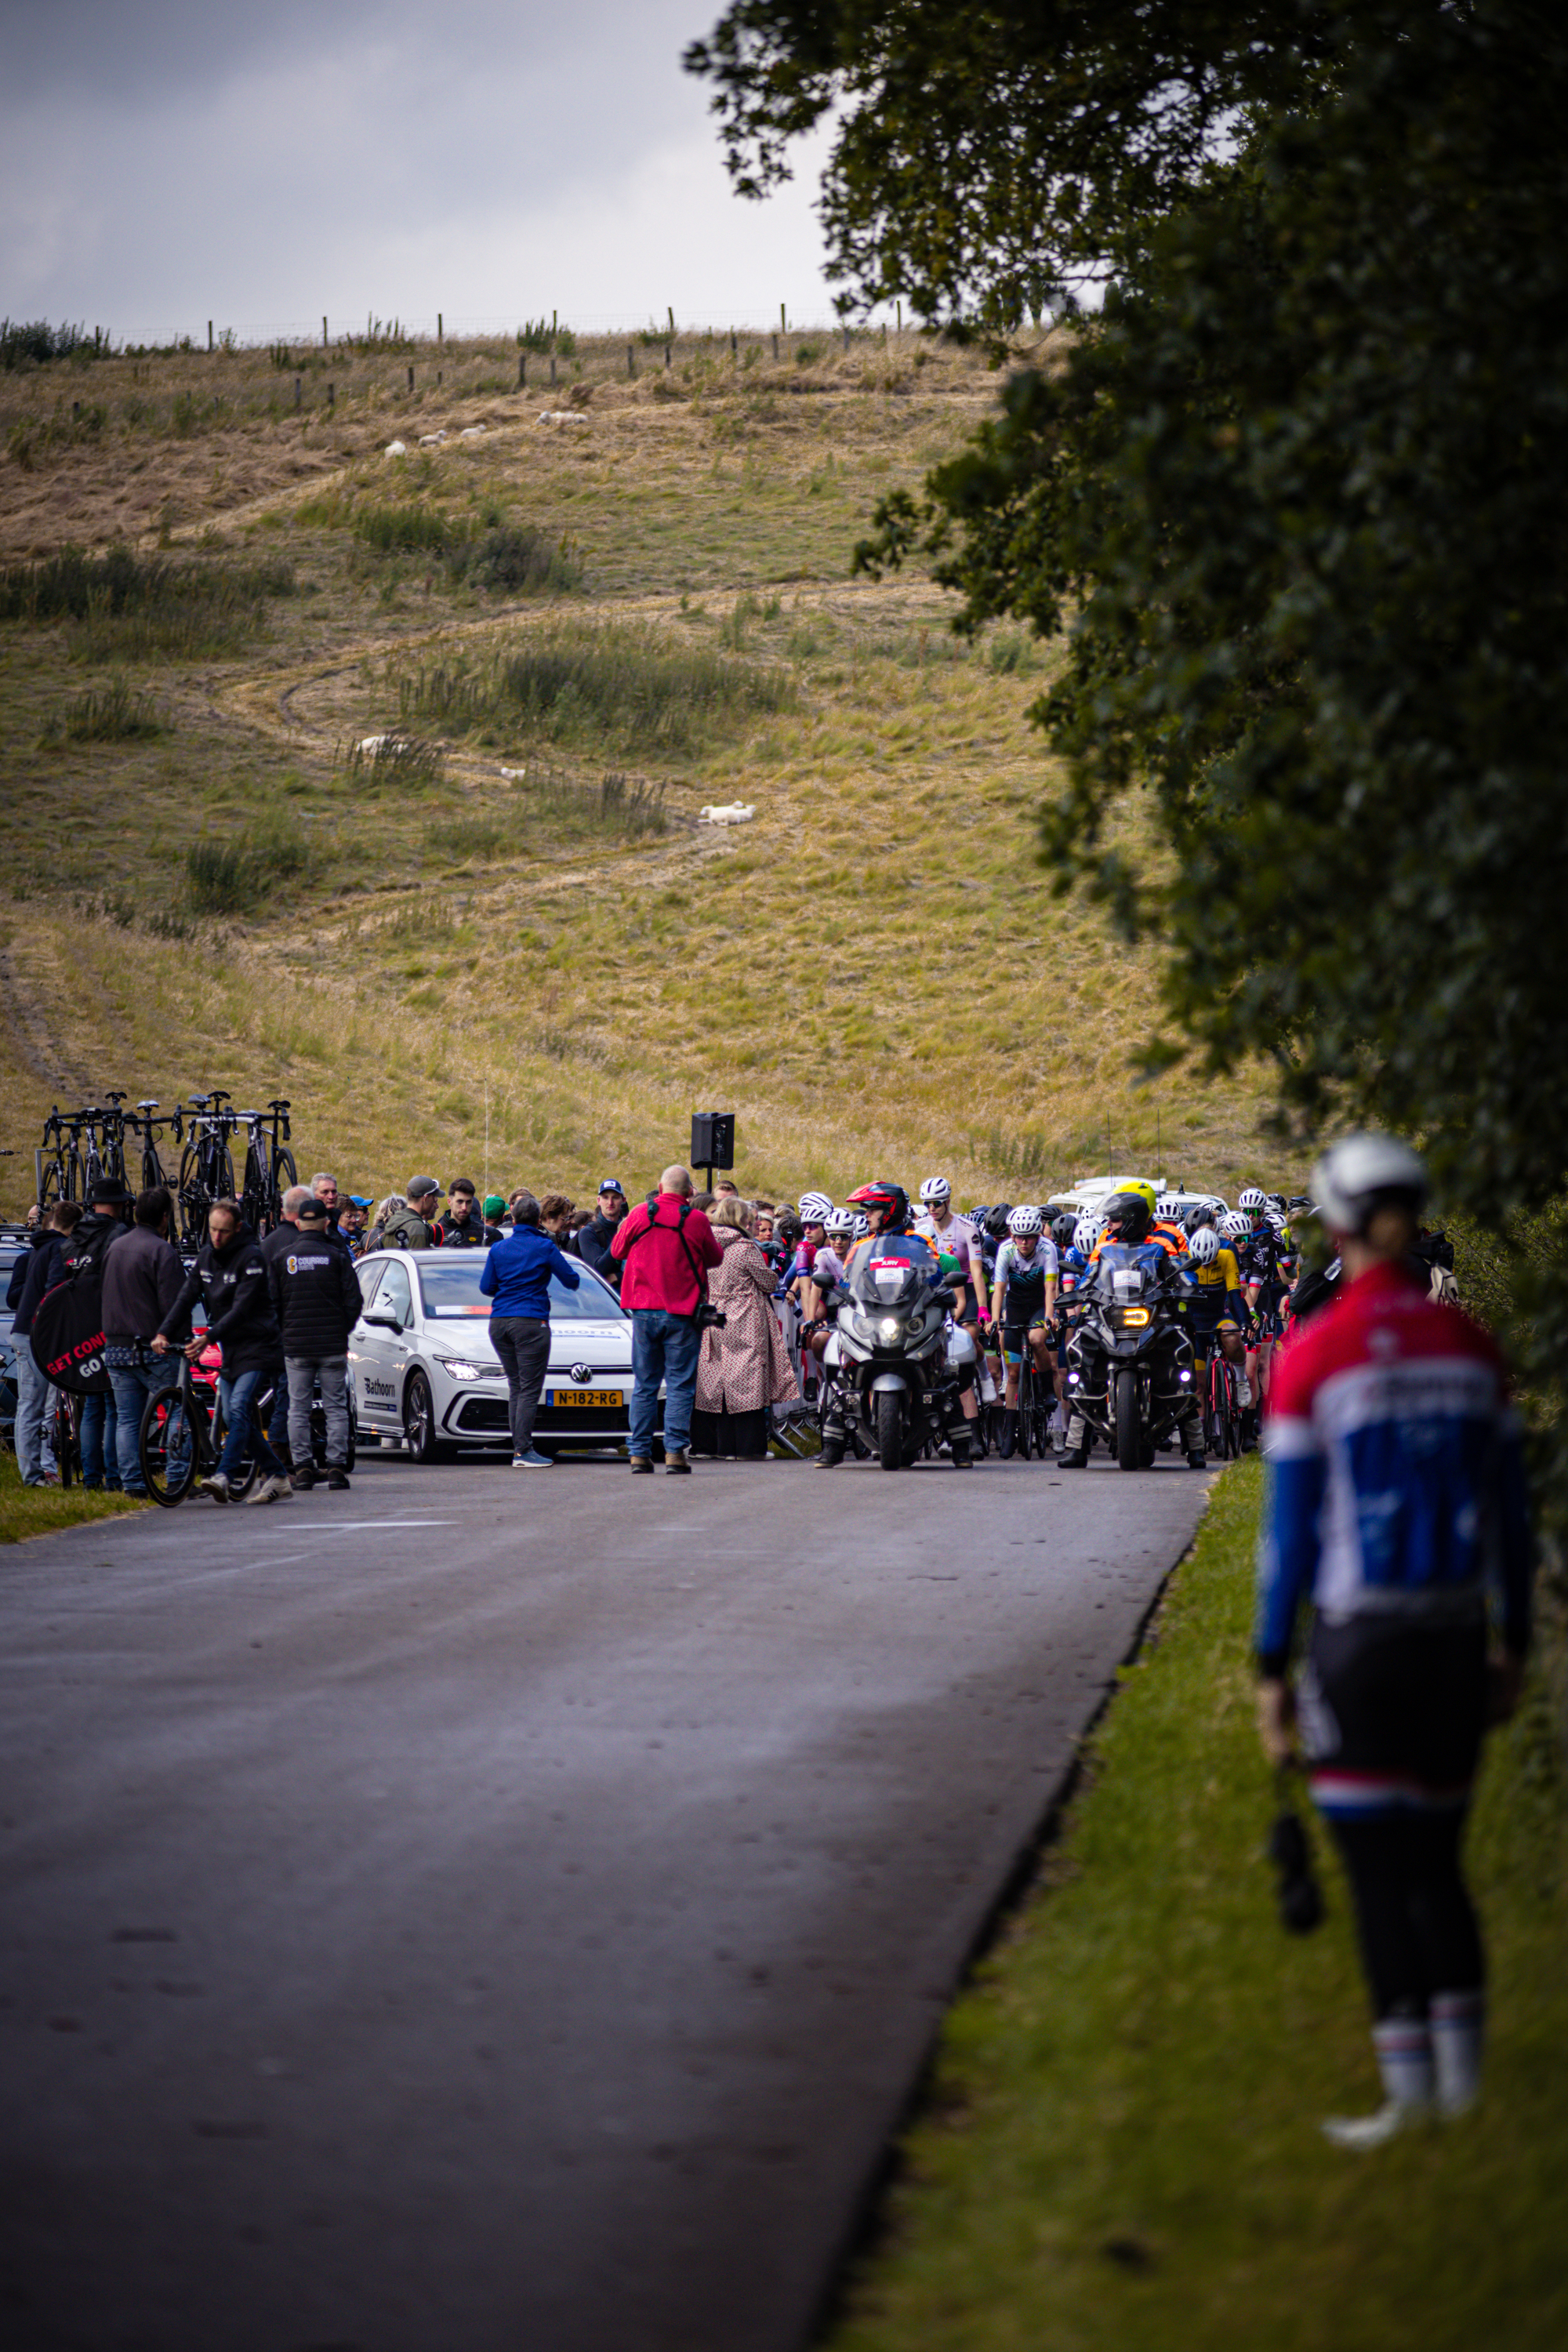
[426, 1378]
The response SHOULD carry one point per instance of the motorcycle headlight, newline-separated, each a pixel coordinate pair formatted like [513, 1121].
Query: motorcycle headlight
[1134, 1318]
[889, 1328]
[460, 1369]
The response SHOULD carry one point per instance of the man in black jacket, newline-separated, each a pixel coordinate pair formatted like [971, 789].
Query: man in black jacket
[142, 1276]
[230, 1281]
[463, 1227]
[38, 1271]
[594, 1241]
[85, 1256]
[315, 1295]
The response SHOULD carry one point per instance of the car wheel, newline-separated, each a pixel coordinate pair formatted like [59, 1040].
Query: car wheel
[419, 1421]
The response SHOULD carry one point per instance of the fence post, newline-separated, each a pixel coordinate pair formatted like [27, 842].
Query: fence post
[440, 328]
[323, 330]
[784, 322]
[776, 347]
[847, 339]
[298, 390]
[631, 359]
[734, 344]
[667, 359]
[209, 334]
[552, 367]
[522, 370]
[331, 396]
[411, 379]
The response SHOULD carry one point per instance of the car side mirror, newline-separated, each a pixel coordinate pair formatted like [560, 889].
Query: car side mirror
[385, 1322]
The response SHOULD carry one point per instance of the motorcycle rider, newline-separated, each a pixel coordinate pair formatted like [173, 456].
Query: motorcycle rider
[1127, 1222]
[886, 1207]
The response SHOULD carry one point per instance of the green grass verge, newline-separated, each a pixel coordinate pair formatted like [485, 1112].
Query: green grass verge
[1119, 2148]
[39, 1510]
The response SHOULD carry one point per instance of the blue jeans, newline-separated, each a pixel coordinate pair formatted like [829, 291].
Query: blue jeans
[664, 1346]
[99, 1443]
[132, 1385]
[278, 1427]
[34, 1395]
[234, 1400]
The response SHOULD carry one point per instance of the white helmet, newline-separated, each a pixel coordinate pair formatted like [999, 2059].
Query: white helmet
[1086, 1234]
[1237, 1226]
[1026, 1219]
[1354, 1177]
[862, 1224]
[839, 1222]
[816, 1208]
[1250, 1198]
[936, 1191]
[1203, 1246]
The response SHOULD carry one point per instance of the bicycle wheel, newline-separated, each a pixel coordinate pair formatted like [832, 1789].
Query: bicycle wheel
[1025, 1407]
[284, 1174]
[171, 1447]
[65, 1438]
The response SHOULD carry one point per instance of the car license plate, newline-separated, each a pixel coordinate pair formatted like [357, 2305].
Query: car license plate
[587, 1397]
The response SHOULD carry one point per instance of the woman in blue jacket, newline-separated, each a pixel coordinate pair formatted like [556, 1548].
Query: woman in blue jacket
[516, 1280]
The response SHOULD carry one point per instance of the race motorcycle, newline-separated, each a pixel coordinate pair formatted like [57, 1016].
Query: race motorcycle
[892, 1364]
[1129, 1362]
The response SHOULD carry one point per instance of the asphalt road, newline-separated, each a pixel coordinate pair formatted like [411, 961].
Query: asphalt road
[494, 1913]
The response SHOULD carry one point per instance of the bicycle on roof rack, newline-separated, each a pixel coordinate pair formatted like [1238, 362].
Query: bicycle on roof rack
[146, 1126]
[269, 1167]
[206, 1164]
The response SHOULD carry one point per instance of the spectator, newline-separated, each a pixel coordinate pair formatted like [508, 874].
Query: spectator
[230, 1281]
[315, 1296]
[284, 1236]
[743, 1367]
[351, 1221]
[142, 1276]
[664, 1253]
[495, 1209]
[463, 1227]
[726, 1188]
[86, 1253]
[325, 1189]
[411, 1224]
[703, 1201]
[516, 1279]
[580, 1217]
[594, 1242]
[555, 1215]
[376, 1237]
[40, 1269]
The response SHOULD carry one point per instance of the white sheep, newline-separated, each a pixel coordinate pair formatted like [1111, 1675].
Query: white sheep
[395, 450]
[471, 432]
[727, 813]
[431, 440]
[563, 416]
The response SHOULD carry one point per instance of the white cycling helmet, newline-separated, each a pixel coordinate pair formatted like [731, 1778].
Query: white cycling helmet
[816, 1208]
[1362, 1173]
[1026, 1219]
[1086, 1234]
[1237, 1226]
[1203, 1246]
[862, 1224]
[1250, 1197]
[936, 1191]
[839, 1222]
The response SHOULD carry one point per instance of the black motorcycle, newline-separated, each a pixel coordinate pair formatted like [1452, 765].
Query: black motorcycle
[1129, 1362]
[890, 1368]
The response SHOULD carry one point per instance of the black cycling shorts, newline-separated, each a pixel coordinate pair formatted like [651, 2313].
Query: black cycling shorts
[1393, 1713]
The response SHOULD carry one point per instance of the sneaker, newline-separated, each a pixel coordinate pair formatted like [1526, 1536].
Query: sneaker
[1374, 2130]
[216, 1487]
[678, 1466]
[532, 1460]
[337, 1478]
[272, 1490]
[302, 1480]
[641, 1469]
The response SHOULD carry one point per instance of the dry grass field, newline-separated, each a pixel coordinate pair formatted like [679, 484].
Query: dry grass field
[515, 952]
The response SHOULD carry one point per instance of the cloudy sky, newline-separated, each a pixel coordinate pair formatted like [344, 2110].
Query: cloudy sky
[171, 161]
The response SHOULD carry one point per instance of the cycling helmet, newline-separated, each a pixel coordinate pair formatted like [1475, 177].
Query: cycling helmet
[862, 1224]
[936, 1192]
[891, 1199]
[1250, 1197]
[839, 1222]
[1129, 1211]
[996, 1221]
[1025, 1221]
[1064, 1230]
[1277, 1200]
[816, 1208]
[1086, 1234]
[1197, 1219]
[1362, 1174]
[1236, 1225]
[1203, 1247]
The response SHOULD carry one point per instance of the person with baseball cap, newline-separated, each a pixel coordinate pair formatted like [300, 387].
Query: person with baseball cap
[594, 1241]
[1397, 1510]
[315, 1296]
[413, 1226]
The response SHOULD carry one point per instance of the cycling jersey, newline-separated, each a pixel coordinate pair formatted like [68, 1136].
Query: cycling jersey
[1396, 1489]
[957, 1236]
[1025, 1278]
[1212, 1293]
[1173, 1239]
[1260, 1257]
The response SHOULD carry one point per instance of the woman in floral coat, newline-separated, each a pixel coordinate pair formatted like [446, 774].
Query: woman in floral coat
[745, 1367]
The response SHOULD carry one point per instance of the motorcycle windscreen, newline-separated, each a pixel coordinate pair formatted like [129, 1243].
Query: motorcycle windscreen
[888, 1282]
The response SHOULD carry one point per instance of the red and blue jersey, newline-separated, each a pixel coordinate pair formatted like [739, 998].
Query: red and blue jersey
[1396, 1484]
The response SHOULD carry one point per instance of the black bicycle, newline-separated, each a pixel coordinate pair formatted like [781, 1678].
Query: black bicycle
[206, 1164]
[1222, 1405]
[1037, 1403]
[146, 1126]
[269, 1167]
[182, 1438]
[62, 1427]
[62, 1167]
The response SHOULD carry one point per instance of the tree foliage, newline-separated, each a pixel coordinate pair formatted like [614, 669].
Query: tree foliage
[1296, 500]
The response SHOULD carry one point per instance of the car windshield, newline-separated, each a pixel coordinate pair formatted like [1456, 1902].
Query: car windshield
[449, 1287]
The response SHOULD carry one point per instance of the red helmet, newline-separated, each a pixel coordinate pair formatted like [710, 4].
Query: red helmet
[891, 1199]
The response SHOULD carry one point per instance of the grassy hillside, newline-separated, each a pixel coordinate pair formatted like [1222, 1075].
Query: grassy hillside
[588, 631]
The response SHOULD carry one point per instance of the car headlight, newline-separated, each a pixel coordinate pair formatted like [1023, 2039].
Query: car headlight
[460, 1369]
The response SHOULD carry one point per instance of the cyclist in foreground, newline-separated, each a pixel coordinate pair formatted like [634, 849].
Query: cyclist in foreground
[1026, 1298]
[1397, 1507]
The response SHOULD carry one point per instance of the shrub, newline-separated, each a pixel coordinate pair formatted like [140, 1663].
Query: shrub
[107, 714]
[465, 836]
[133, 605]
[235, 877]
[394, 758]
[516, 557]
[403, 529]
[617, 806]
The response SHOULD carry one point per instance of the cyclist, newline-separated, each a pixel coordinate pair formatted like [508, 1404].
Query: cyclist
[1397, 1504]
[1025, 1306]
[826, 1271]
[946, 1230]
[1212, 1305]
[1261, 1257]
[1072, 1264]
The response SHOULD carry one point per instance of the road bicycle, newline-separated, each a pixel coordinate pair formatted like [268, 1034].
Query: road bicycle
[62, 1427]
[182, 1437]
[1222, 1405]
[269, 1167]
[60, 1163]
[1036, 1403]
[113, 1122]
[207, 1164]
[146, 1126]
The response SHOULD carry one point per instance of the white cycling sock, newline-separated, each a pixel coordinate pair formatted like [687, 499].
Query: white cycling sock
[1243, 1391]
[1458, 2023]
[1404, 2046]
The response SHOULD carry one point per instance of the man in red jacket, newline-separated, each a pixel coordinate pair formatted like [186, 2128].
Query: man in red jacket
[665, 1249]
